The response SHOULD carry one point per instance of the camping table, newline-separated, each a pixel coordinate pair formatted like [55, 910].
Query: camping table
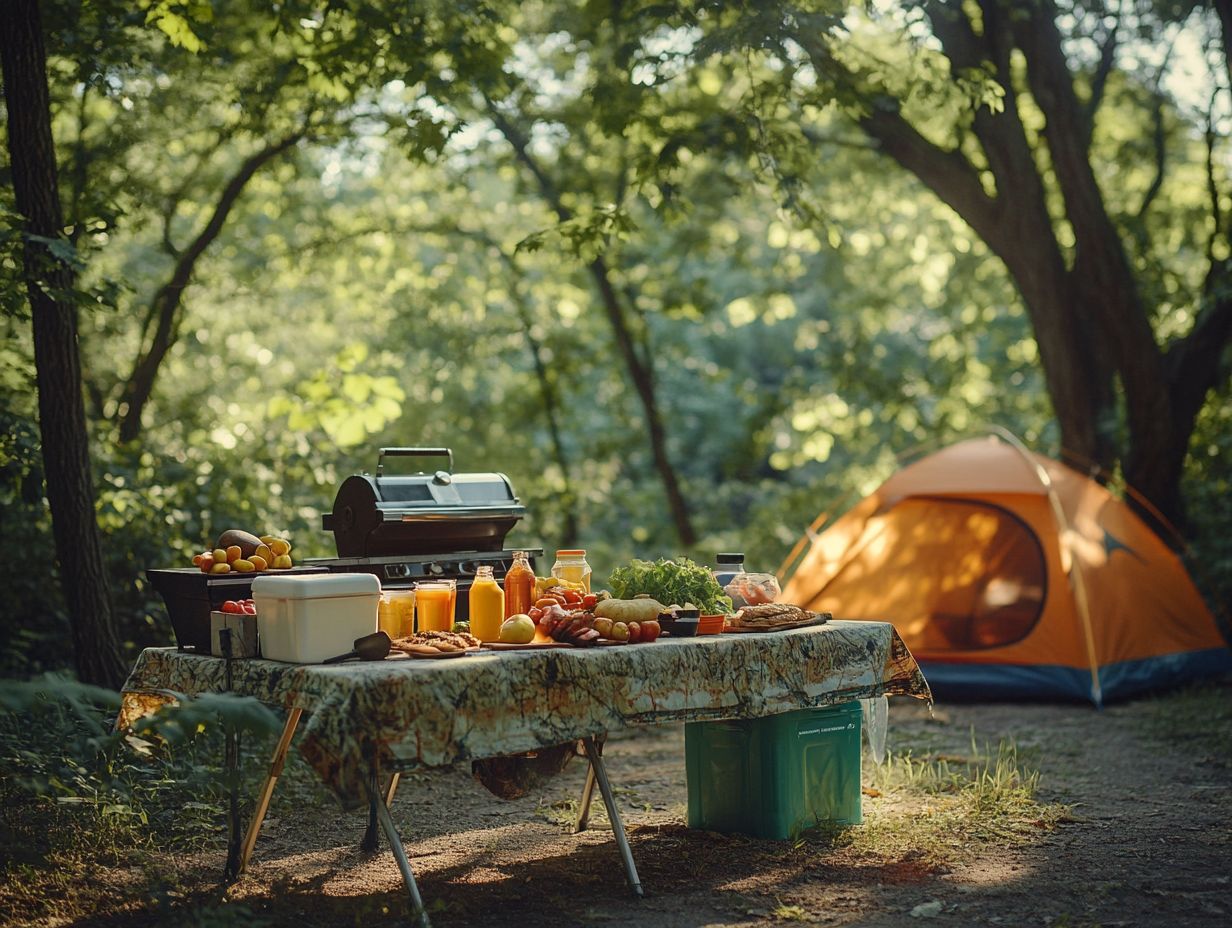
[400, 715]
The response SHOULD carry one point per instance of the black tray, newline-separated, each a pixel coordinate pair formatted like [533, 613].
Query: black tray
[190, 595]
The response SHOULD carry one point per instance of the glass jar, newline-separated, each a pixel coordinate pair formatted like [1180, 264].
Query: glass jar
[519, 586]
[396, 613]
[434, 605]
[571, 565]
[727, 565]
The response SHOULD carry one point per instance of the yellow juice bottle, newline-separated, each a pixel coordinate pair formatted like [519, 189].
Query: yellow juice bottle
[487, 603]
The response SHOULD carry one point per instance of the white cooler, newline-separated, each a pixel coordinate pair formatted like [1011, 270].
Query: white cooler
[306, 619]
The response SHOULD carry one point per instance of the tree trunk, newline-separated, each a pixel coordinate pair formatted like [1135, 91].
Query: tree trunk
[1089, 319]
[50, 283]
[551, 405]
[639, 372]
[643, 383]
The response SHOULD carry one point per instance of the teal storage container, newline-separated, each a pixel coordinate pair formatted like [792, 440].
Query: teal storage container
[777, 776]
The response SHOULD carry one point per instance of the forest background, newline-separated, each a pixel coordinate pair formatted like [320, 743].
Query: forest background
[689, 274]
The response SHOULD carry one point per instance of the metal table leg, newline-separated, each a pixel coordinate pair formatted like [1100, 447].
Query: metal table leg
[618, 827]
[267, 791]
[588, 791]
[418, 914]
[369, 842]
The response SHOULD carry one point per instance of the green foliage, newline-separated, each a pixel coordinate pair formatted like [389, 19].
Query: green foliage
[402, 277]
[77, 794]
[671, 582]
[62, 760]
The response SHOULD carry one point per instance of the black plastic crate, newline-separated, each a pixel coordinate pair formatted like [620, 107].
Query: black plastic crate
[190, 595]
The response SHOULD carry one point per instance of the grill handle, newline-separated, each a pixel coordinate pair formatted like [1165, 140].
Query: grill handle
[413, 452]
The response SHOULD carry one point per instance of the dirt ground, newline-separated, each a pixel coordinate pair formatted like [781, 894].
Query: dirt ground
[1144, 839]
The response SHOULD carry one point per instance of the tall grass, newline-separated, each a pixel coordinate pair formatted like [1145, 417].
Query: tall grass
[939, 805]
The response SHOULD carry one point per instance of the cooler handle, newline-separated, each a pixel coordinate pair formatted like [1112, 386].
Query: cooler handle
[413, 452]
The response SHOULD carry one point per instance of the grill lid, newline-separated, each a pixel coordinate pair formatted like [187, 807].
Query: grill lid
[377, 515]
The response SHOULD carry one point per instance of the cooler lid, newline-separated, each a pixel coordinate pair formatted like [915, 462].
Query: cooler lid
[315, 586]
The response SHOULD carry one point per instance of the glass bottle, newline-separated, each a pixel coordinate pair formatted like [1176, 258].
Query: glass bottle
[571, 565]
[487, 602]
[519, 586]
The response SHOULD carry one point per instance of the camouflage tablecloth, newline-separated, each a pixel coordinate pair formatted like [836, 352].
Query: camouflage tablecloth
[426, 713]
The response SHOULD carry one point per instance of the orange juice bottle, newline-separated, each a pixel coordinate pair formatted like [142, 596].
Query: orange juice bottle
[519, 586]
[487, 605]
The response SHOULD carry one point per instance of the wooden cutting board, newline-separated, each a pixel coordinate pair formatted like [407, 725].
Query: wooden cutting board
[442, 655]
[803, 623]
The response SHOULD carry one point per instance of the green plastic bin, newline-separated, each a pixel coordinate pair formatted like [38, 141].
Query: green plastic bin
[777, 776]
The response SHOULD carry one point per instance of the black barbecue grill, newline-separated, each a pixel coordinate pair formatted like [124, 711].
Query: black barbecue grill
[423, 526]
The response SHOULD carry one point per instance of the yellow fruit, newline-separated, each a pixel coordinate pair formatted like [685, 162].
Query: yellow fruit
[518, 629]
[258, 562]
[280, 546]
[266, 539]
[219, 555]
[282, 562]
[263, 551]
[604, 627]
[207, 562]
[620, 631]
[234, 553]
[243, 566]
[221, 568]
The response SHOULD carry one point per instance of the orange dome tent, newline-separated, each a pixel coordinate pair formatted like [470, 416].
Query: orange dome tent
[1009, 574]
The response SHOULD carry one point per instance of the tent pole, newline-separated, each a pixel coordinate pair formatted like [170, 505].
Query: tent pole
[1073, 571]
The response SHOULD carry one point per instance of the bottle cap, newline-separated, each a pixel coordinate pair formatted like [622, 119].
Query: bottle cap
[730, 557]
[580, 552]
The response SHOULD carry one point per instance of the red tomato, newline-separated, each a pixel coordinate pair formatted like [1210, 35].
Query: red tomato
[650, 630]
[249, 607]
[589, 601]
[571, 596]
[635, 632]
[232, 606]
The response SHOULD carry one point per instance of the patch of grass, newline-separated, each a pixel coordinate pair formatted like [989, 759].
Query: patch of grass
[563, 812]
[791, 913]
[943, 807]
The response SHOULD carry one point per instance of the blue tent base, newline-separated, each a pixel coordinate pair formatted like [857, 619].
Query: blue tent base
[1050, 682]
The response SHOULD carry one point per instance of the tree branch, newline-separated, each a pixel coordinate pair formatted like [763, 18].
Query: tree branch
[1102, 273]
[80, 160]
[947, 173]
[552, 406]
[1212, 184]
[639, 372]
[1161, 150]
[1099, 80]
[1195, 363]
[165, 306]
[1224, 9]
